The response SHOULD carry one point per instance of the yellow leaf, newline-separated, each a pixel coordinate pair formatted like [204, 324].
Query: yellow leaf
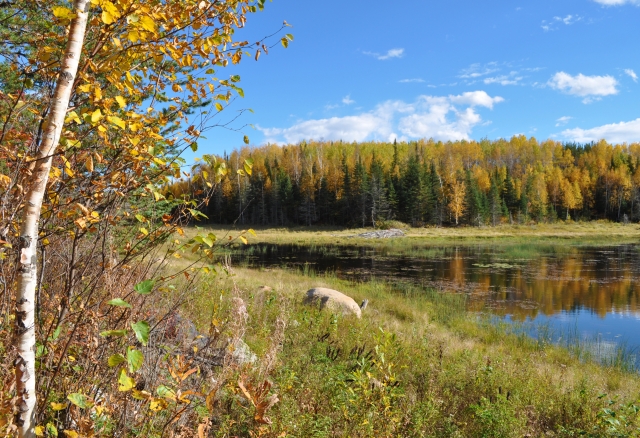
[73, 117]
[39, 430]
[244, 240]
[125, 383]
[111, 10]
[176, 88]
[144, 231]
[157, 404]
[5, 181]
[89, 163]
[69, 172]
[96, 116]
[218, 106]
[58, 406]
[71, 434]
[63, 13]
[117, 121]
[107, 18]
[121, 102]
[148, 24]
[133, 36]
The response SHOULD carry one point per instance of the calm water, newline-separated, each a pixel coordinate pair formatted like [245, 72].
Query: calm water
[585, 292]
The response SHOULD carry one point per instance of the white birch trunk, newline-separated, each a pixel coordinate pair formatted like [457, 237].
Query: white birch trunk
[27, 275]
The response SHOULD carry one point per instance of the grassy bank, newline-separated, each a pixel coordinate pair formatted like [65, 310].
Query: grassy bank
[599, 232]
[416, 364]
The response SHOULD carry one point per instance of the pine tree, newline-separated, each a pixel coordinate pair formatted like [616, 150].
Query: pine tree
[411, 189]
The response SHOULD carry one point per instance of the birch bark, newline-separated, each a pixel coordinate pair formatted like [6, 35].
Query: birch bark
[27, 277]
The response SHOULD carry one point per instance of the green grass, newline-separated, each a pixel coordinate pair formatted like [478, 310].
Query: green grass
[416, 364]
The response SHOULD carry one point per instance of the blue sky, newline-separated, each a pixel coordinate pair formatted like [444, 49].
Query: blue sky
[456, 69]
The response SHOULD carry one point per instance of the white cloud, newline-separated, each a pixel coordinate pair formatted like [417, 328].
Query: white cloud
[475, 98]
[632, 74]
[617, 2]
[563, 120]
[347, 100]
[441, 117]
[393, 53]
[623, 132]
[408, 81]
[589, 87]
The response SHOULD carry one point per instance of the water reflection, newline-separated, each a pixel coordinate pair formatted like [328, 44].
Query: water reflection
[591, 292]
[521, 281]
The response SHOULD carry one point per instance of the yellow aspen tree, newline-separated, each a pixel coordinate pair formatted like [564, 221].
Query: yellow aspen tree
[457, 192]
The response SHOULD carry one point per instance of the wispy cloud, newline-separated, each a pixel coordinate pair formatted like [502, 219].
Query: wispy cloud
[623, 132]
[509, 79]
[592, 88]
[450, 117]
[618, 2]
[347, 100]
[477, 70]
[632, 74]
[410, 81]
[548, 25]
[393, 53]
[563, 120]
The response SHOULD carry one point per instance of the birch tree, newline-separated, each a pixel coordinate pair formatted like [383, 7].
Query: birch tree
[26, 288]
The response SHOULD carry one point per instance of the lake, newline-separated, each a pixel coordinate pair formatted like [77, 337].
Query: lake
[564, 293]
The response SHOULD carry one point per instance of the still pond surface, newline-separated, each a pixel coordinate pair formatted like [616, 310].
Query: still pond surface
[565, 293]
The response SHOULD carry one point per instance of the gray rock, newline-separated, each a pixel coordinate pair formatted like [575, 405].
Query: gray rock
[242, 354]
[382, 234]
[333, 300]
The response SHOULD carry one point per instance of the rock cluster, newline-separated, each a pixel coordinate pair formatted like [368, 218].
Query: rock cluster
[382, 234]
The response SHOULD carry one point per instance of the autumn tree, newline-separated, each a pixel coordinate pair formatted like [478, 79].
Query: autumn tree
[92, 119]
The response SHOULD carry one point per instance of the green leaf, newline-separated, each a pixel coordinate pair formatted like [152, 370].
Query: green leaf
[285, 42]
[108, 333]
[289, 37]
[116, 360]
[119, 302]
[144, 287]
[194, 146]
[166, 392]
[51, 430]
[246, 140]
[125, 383]
[141, 329]
[135, 359]
[79, 400]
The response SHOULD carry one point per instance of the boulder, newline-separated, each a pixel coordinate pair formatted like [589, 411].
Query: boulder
[333, 300]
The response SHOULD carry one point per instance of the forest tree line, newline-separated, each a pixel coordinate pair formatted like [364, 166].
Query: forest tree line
[420, 183]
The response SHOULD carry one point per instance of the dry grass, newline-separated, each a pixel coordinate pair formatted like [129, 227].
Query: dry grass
[597, 231]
